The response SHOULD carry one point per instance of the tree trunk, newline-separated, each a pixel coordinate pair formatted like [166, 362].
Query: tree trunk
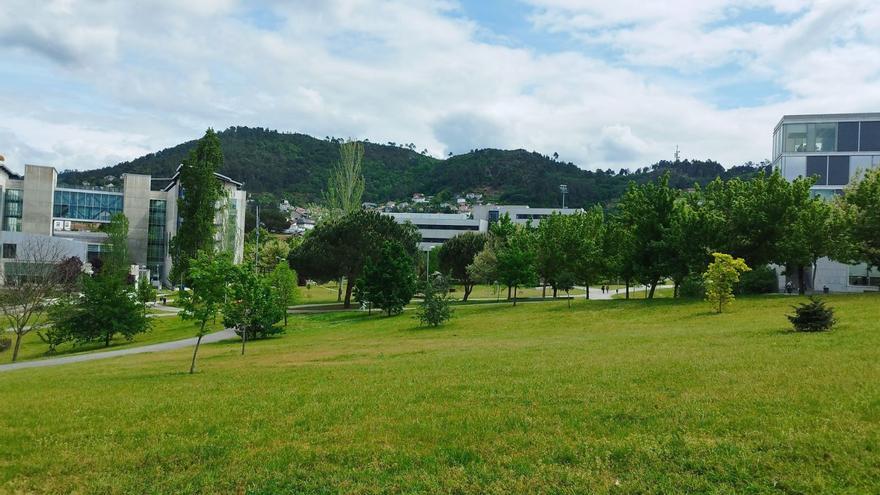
[339, 290]
[653, 288]
[675, 290]
[587, 287]
[801, 280]
[544, 291]
[627, 289]
[554, 292]
[285, 316]
[107, 339]
[192, 367]
[243, 339]
[17, 346]
[468, 288]
[815, 269]
[514, 294]
[348, 287]
[508, 293]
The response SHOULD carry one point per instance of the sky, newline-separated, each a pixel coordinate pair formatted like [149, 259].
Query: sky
[606, 84]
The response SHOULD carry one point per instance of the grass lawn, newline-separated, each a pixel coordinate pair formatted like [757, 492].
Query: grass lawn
[488, 292]
[318, 294]
[659, 293]
[608, 397]
[164, 329]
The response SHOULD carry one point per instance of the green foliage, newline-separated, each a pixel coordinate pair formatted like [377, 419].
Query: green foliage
[761, 280]
[692, 287]
[516, 261]
[345, 188]
[253, 308]
[341, 247]
[565, 281]
[298, 167]
[456, 254]
[435, 309]
[388, 281]
[720, 278]
[859, 214]
[283, 281]
[484, 268]
[198, 206]
[812, 316]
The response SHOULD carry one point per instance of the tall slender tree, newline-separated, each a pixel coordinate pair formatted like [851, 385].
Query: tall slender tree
[197, 204]
[345, 188]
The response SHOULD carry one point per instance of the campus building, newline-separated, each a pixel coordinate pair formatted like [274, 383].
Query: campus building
[35, 207]
[437, 228]
[834, 149]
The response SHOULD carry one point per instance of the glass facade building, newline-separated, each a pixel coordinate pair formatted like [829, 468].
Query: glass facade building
[72, 204]
[157, 245]
[833, 149]
[12, 202]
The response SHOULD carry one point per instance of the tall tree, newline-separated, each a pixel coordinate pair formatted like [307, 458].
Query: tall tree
[388, 281]
[457, 253]
[340, 248]
[516, 261]
[552, 248]
[209, 275]
[808, 232]
[197, 205]
[253, 308]
[345, 188]
[584, 243]
[283, 280]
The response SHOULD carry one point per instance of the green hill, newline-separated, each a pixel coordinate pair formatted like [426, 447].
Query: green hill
[296, 167]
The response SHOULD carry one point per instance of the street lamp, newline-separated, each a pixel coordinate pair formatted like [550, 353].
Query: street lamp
[563, 188]
[428, 263]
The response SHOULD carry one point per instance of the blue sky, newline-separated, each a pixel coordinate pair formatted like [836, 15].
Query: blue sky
[604, 84]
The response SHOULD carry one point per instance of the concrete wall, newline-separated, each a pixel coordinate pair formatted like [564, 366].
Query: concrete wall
[136, 207]
[38, 197]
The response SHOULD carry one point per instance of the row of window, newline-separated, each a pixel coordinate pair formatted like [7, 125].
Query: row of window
[826, 137]
[86, 205]
[156, 238]
[447, 227]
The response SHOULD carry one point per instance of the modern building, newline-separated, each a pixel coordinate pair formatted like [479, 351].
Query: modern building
[437, 228]
[834, 149]
[36, 207]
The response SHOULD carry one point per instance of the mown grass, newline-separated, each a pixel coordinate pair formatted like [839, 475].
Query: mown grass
[608, 397]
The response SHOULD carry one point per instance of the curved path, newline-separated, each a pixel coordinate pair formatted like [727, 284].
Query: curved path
[78, 358]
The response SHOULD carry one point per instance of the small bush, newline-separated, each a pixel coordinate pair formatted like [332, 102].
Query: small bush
[812, 316]
[5, 343]
[692, 287]
[435, 308]
[762, 280]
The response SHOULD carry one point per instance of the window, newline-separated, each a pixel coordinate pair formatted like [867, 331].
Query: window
[9, 250]
[817, 167]
[86, 205]
[826, 194]
[838, 170]
[848, 136]
[861, 275]
[12, 210]
[795, 137]
[822, 137]
[870, 140]
[156, 238]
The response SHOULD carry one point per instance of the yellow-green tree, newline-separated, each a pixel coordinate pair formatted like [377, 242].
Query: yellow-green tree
[720, 277]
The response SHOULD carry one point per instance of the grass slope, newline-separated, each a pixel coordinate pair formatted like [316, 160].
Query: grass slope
[609, 397]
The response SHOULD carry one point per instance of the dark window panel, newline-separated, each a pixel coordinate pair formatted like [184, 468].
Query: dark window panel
[817, 166]
[838, 170]
[870, 136]
[848, 136]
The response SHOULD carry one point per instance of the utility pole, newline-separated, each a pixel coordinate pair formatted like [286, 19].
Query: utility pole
[563, 188]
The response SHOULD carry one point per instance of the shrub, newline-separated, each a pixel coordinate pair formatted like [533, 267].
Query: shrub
[812, 316]
[692, 287]
[5, 343]
[720, 278]
[762, 280]
[435, 309]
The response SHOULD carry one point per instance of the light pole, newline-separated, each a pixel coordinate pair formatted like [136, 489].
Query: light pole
[428, 263]
[563, 188]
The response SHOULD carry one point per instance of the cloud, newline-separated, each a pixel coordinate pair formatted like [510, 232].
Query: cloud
[84, 85]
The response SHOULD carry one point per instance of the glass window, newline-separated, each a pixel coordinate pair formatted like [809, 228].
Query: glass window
[870, 140]
[848, 136]
[838, 170]
[86, 205]
[12, 210]
[9, 250]
[821, 137]
[861, 275]
[817, 167]
[795, 137]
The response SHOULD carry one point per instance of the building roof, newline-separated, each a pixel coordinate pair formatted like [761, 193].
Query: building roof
[812, 117]
[10, 173]
[173, 179]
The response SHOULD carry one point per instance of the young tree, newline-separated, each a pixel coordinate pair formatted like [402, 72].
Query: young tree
[720, 277]
[435, 308]
[484, 268]
[197, 207]
[553, 250]
[584, 243]
[253, 308]
[457, 253]
[346, 185]
[146, 293]
[28, 283]
[283, 280]
[565, 282]
[516, 261]
[388, 281]
[209, 276]
[809, 232]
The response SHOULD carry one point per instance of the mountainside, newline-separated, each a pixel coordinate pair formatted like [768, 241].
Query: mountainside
[296, 167]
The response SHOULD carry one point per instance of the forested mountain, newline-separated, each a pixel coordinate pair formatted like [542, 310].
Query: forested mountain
[296, 167]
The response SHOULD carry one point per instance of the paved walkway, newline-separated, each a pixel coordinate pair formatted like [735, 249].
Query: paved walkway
[92, 356]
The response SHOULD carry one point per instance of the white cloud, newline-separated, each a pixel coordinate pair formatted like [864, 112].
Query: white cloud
[89, 84]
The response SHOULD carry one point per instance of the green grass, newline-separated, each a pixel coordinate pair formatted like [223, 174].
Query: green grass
[164, 329]
[659, 293]
[608, 397]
